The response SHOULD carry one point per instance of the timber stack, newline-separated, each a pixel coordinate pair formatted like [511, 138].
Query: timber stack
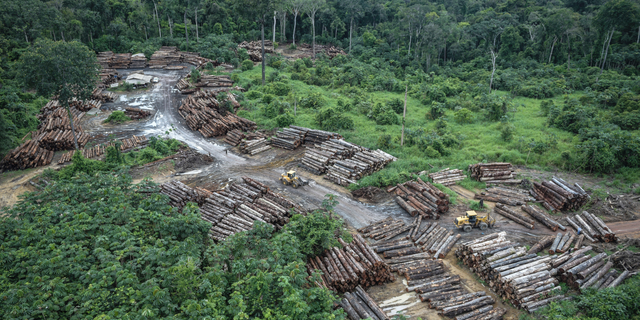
[316, 136]
[592, 227]
[435, 239]
[107, 77]
[138, 61]
[359, 305]
[202, 113]
[447, 177]
[254, 49]
[558, 195]
[419, 197]
[58, 120]
[61, 139]
[508, 213]
[253, 147]
[288, 138]
[136, 113]
[120, 61]
[104, 58]
[505, 195]
[164, 57]
[363, 163]
[186, 87]
[28, 155]
[234, 137]
[542, 217]
[493, 172]
[387, 229]
[96, 151]
[524, 279]
[317, 159]
[178, 193]
[102, 95]
[356, 264]
[214, 81]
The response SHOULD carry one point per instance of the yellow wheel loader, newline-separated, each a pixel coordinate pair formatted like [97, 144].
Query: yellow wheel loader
[290, 179]
[471, 220]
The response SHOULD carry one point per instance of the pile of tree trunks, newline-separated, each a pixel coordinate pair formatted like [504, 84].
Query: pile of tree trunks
[316, 160]
[559, 195]
[505, 195]
[59, 120]
[524, 279]
[253, 147]
[234, 137]
[359, 305]
[356, 264]
[316, 136]
[254, 49]
[107, 77]
[27, 155]
[96, 151]
[361, 164]
[592, 227]
[138, 61]
[120, 61]
[288, 138]
[581, 270]
[385, 230]
[214, 81]
[136, 113]
[104, 58]
[186, 87]
[61, 139]
[508, 213]
[435, 239]
[543, 217]
[447, 177]
[102, 95]
[202, 113]
[490, 172]
[332, 52]
[179, 193]
[164, 57]
[423, 198]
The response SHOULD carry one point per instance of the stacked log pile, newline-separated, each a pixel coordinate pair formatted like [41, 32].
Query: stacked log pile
[581, 270]
[505, 195]
[27, 155]
[120, 61]
[254, 49]
[543, 217]
[514, 216]
[491, 172]
[61, 139]
[559, 195]
[593, 227]
[385, 230]
[447, 177]
[214, 81]
[253, 147]
[363, 163]
[178, 193]
[164, 57]
[333, 52]
[288, 138]
[186, 87]
[359, 305]
[136, 113]
[434, 239]
[317, 136]
[419, 197]
[102, 95]
[96, 151]
[202, 113]
[107, 77]
[234, 137]
[356, 264]
[138, 61]
[104, 59]
[524, 279]
[58, 120]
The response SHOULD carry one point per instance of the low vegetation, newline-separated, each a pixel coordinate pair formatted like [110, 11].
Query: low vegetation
[117, 117]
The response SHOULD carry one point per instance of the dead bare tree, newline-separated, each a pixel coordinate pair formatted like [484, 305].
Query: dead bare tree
[494, 56]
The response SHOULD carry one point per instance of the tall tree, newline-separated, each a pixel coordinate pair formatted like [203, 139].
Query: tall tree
[615, 14]
[312, 7]
[65, 69]
[354, 10]
[296, 7]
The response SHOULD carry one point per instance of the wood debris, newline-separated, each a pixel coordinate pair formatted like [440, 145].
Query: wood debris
[521, 219]
[447, 177]
[542, 217]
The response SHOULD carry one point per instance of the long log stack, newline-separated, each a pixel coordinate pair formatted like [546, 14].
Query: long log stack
[138, 61]
[104, 58]
[120, 61]
[253, 147]
[288, 138]
[447, 177]
[254, 49]
[202, 113]
[385, 230]
[178, 193]
[356, 264]
[558, 195]
[593, 227]
[542, 217]
[505, 195]
[491, 171]
[58, 139]
[359, 305]
[363, 163]
[136, 113]
[27, 155]
[234, 137]
[102, 95]
[96, 151]
[435, 239]
[524, 279]
[168, 57]
[107, 77]
[514, 216]
[419, 197]
[317, 136]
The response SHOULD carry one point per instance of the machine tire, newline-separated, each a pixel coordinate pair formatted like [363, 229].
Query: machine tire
[466, 228]
[483, 226]
[295, 185]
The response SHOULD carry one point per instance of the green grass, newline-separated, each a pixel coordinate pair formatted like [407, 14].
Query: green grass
[471, 184]
[117, 117]
[475, 205]
[480, 141]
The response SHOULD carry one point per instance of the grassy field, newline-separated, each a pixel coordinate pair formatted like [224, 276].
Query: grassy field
[479, 141]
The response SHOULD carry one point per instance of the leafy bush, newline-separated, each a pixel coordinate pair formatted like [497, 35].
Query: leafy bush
[195, 75]
[332, 120]
[300, 66]
[627, 120]
[253, 95]
[247, 65]
[274, 109]
[463, 116]
[317, 232]
[396, 105]
[507, 131]
[313, 100]
[117, 117]
[285, 120]
[383, 115]
[384, 141]
[280, 89]
[267, 98]
[436, 110]
[494, 106]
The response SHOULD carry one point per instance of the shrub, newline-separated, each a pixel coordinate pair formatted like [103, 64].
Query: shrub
[384, 141]
[383, 115]
[274, 109]
[495, 107]
[463, 116]
[313, 100]
[195, 75]
[253, 95]
[300, 66]
[247, 65]
[396, 105]
[627, 120]
[307, 62]
[330, 119]
[267, 98]
[285, 120]
[436, 111]
[506, 131]
[117, 117]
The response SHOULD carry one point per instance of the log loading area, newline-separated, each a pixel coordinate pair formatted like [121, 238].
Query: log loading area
[406, 255]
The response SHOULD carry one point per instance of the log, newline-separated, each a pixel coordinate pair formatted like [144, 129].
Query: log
[555, 244]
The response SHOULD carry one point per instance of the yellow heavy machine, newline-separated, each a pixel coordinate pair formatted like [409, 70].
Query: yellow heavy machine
[290, 179]
[471, 220]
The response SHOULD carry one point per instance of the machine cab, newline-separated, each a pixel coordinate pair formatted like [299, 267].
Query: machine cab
[291, 174]
[472, 216]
